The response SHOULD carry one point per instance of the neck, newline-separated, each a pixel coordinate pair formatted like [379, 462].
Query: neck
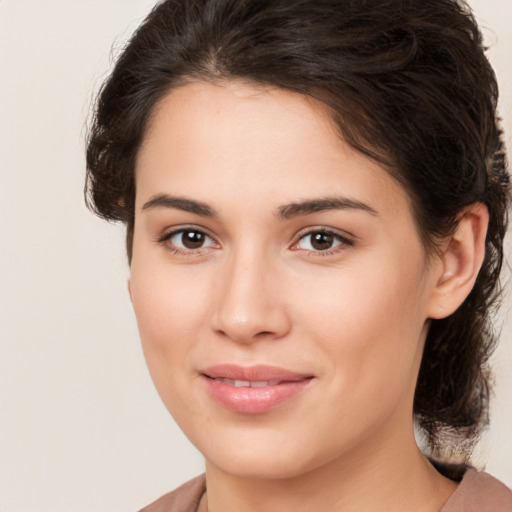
[377, 481]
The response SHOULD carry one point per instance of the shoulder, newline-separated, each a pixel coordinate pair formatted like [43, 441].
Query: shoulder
[479, 492]
[183, 499]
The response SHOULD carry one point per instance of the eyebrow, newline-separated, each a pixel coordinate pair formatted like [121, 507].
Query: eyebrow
[284, 212]
[323, 204]
[179, 203]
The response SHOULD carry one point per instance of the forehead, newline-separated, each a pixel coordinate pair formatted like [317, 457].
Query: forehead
[248, 140]
[235, 113]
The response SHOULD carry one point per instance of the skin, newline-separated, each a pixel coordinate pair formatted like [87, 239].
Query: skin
[257, 291]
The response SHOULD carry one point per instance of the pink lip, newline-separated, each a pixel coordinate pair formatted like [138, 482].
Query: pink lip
[253, 400]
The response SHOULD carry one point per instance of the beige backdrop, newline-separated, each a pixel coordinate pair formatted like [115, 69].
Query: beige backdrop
[81, 427]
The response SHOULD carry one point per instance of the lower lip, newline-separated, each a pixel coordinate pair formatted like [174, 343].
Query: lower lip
[249, 400]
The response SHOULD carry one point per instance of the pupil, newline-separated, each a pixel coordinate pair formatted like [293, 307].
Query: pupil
[322, 241]
[192, 239]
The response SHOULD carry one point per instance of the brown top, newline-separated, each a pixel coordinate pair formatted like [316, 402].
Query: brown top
[185, 498]
[477, 492]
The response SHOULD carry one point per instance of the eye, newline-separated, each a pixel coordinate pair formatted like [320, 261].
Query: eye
[322, 241]
[188, 240]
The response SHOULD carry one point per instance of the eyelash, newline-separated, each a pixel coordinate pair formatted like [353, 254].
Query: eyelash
[343, 241]
[165, 241]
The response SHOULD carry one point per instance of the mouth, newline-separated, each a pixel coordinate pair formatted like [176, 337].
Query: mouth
[248, 383]
[255, 389]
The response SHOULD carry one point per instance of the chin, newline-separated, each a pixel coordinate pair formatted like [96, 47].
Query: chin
[261, 467]
[276, 458]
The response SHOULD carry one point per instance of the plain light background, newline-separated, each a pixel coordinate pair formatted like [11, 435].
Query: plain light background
[81, 426]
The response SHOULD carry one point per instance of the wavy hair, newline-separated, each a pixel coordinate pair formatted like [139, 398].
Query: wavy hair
[407, 83]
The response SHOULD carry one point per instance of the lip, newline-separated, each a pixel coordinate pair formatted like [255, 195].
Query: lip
[275, 386]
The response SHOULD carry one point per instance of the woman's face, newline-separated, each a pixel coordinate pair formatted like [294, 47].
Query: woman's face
[279, 283]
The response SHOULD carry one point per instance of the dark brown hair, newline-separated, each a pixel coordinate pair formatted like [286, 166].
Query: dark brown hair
[407, 83]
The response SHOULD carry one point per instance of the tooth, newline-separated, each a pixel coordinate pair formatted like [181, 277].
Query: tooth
[259, 384]
[246, 383]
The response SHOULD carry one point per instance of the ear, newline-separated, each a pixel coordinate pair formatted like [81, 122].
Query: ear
[461, 261]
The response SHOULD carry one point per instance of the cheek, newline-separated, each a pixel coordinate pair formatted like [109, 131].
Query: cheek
[367, 299]
[368, 332]
[167, 297]
[369, 320]
[171, 308]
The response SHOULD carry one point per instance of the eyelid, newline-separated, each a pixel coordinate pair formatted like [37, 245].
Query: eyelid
[346, 239]
[174, 230]
[169, 231]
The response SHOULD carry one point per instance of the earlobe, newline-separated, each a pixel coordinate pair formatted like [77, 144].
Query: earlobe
[462, 259]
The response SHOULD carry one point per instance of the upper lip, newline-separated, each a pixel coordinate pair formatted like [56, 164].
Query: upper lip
[256, 373]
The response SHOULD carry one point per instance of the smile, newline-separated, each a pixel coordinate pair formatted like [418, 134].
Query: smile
[253, 390]
[249, 384]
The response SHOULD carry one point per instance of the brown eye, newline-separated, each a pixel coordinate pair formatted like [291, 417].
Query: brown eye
[322, 241]
[192, 239]
[188, 240]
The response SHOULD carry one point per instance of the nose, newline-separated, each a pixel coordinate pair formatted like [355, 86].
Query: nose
[251, 303]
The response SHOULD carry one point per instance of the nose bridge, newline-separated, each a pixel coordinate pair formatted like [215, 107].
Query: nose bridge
[248, 306]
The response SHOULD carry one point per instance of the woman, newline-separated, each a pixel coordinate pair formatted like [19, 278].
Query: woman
[315, 199]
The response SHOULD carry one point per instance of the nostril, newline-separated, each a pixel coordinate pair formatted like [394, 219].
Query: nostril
[243, 320]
